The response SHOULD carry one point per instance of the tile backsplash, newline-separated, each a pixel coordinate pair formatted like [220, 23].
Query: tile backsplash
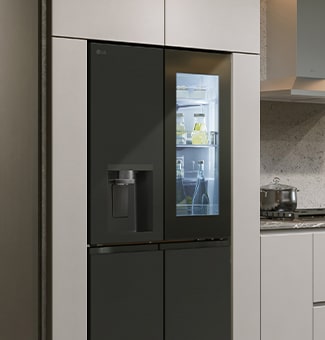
[293, 149]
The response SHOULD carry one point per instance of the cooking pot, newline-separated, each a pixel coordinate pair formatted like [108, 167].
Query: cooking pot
[278, 197]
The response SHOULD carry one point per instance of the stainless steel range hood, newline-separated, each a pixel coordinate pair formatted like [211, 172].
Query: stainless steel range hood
[295, 51]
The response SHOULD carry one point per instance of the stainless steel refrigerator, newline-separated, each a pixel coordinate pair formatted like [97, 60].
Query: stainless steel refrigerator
[159, 193]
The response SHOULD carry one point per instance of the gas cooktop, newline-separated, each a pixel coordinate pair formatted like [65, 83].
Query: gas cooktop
[296, 214]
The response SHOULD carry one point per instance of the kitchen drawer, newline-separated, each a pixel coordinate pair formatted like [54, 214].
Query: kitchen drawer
[319, 322]
[319, 267]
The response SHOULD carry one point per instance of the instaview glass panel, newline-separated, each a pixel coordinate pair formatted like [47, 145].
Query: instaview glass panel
[197, 155]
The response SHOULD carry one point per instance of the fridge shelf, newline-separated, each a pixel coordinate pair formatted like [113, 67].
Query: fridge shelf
[190, 103]
[199, 146]
[187, 209]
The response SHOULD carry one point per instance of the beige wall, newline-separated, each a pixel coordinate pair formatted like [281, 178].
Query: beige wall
[18, 170]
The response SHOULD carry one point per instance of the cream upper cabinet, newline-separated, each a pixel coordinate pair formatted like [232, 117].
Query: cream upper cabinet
[225, 25]
[139, 21]
[286, 286]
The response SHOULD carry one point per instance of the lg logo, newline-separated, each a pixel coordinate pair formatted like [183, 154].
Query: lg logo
[101, 52]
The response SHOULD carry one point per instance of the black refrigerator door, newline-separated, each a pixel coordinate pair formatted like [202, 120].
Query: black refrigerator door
[197, 144]
[126, 293]
[125, 137]
[197, 293]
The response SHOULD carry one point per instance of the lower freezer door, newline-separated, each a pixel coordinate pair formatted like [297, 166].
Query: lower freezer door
[197, 293]
[126, 295]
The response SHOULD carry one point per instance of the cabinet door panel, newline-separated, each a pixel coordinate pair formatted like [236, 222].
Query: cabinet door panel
[286, 287]
[231, 25]
[319, 267]
[119, 20]
[197, 293]
[319, 323]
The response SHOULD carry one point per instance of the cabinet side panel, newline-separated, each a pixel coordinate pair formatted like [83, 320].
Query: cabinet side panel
[69, 129]
[245, 193]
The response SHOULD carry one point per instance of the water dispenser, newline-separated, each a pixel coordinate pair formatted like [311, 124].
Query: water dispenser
[130, 198]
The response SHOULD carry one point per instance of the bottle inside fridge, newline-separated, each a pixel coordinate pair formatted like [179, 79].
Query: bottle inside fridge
[197, 105]
[180, 192]
[181, 134]
[200, 201]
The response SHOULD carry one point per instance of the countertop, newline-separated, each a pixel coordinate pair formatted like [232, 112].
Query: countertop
[301, 223]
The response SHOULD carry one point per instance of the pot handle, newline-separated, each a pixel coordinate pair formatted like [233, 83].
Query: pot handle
[276, 180]
[265, 192]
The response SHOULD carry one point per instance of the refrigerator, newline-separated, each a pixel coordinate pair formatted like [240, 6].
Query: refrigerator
[159, 193]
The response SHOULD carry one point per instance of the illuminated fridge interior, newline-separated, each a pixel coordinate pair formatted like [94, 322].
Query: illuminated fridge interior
[197, 142]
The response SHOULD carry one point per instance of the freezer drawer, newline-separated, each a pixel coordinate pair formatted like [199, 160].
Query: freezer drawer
[197, 294]
[126, 293]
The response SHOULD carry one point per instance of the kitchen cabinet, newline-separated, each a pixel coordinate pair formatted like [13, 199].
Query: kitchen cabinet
[319, 267]
[319, 322]
[140, 21]
[69, 166]
[229, 25]
[286, 286]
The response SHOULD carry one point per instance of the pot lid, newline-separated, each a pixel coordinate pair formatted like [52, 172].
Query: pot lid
[276, 185]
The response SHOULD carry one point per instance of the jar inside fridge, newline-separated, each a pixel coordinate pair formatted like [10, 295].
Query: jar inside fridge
[199, 133]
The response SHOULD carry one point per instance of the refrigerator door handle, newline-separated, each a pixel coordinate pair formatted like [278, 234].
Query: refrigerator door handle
[102, 250]
[195, 244]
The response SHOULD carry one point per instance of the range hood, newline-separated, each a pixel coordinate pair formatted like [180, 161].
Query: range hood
[295, 51]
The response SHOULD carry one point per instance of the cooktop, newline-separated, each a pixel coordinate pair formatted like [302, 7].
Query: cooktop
[296, 214]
